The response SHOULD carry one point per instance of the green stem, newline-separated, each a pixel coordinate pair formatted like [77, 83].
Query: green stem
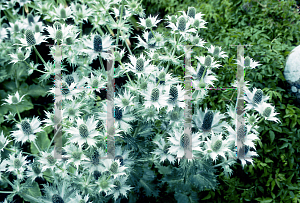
[53, 138]
[101, 62]
[100, 31]
[18, 114]
[8, 192]
[37, 52]
[174, 49]
[8, 182]
[37, 147]
[126, 73]
[260, 121]
[33, 68]
[81, 30]
[152, 32]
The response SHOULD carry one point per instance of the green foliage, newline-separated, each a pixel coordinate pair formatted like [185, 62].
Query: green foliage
[272, 27]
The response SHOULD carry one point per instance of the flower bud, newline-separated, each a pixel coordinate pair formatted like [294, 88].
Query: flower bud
[197, 23]
[207, 121]
[208, 61]
[117, 184]
[173, 93]
[216, 51]
[30, 37]
[83, 131]
[140, 64]
[63, 13]
[184, 141]
[69, 41]
[59, 35]
[97, 43]
[201, 72]
[267, 112]
[155, 95]
[37, 28]
[16, 28]
[118, 113]
[57, 199]
[181, 24]
[258, 96]
[148, 23]
[21, 56]
[247, 61]
[114, 167]
[150, 36]
[217, 145]
[30, 18]
[191, 12]
[26, 128]
[78, 7]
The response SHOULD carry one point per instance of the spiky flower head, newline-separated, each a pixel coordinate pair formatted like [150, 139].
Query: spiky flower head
[63, 13]
[59, 35]
[184, 141]
[208, 60]
[97, 43]
[197, 23]
[140, 64]
[191, 12]
[173, 93]
[155, 94]
[258, 96]
[181, 23]
[69, 41]
[30, 37]
[267, 112]
[217, 145]
[247, 61]
[30, 18]
[207, 121]
[57, 199]
[114, 167]
[201, 72]
[148, 23]
[216, 51]
[118, 113]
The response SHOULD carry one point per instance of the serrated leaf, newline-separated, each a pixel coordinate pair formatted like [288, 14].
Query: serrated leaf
[42, 141]
[37, 90]
[33, 190]
[165, 170]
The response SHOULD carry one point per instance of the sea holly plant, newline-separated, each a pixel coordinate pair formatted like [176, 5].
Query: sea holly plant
[148, 111]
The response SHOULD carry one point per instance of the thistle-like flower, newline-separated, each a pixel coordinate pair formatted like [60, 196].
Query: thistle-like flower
[84, 133]
[254, 98]
[267, 111]
[216, 51]
[31, 39]
[120, 187]
[140, 66]
[17, 164]
[3, 141]
[61, 13]
[245, 62]
[208, 121]
[13, 99]
[149, 22]
[27, 130]
[162, 151]
[19, 56]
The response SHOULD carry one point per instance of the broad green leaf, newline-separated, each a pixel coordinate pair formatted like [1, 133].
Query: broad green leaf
[272, 136]
[42, 142]
[284, 145]
[33, 190]
[37, 90]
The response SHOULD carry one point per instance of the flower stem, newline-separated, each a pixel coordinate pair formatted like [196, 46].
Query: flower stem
[37, 52]
[101, 62]
[33, 68]
[18, 114]
[81, 31]
[126, 73]
[53, 138]
[260, 121]
[36, 146]
[6, 192]
[8, 182]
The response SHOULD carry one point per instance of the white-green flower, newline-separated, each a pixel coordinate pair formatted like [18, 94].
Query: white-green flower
[60, 33]
[208, 121]
[162, 151]
[216, 51]
[34, 170]
[61, 193]
[13, 99]
[202, 78]
[254, 98]
[155, 41]
[85, 132]
[97, 82]
[179, 141]
[267, 111]
[20, 56]
[120, 187]
[149, 22]
[216, 146]
[104, 185]
[252, 65]
[61, 13]
[27, 130]
[125, 99]
[81, 12]
[75, 155]
[113, 167]
[16, 163]
[31, 39]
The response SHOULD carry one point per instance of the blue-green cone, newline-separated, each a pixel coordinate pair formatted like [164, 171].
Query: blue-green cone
[95, 158]
[118, 113]
[148, 23]
[114, 167]
[26, 128]
[57, 199]
[97, 43]
[58, 35]
[267, 112]
[173, 93]
[208, 61]
[242, 132]
[30, 18]
[258, 96]
[17, 163]
[197, 23]
[216, 51]
[200, 72]
[150, 36]
[63, 13]
[69, 41]
[191, 12]
[184, 141]
[83, 131]
[139, 65]
[30, 37]
[155, 95]
[64, 89]
[207, 121]
[35, 167]
[247, 61]
[97, 174]
[217, 145]
[51, 160]
[181, 24]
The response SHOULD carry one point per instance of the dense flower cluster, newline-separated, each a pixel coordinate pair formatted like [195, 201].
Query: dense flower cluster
[152, 100]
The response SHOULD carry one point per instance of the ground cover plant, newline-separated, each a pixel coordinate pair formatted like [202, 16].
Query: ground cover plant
[148, 109]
